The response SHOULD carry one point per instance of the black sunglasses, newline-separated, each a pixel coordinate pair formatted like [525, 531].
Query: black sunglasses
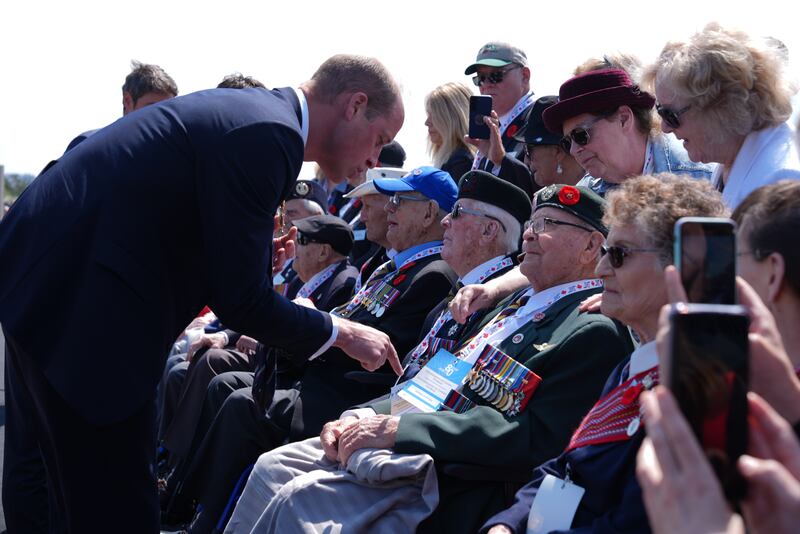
[303, 239]
[494, 76]
[617, 255]
[580, 134]
[671, 117]
[458, 209]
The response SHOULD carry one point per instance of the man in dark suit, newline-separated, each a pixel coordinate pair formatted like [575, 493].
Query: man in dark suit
[396, 300]
[86, 256]
[536, 364]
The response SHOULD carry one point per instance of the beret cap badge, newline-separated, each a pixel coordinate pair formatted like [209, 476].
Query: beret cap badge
[301, 189]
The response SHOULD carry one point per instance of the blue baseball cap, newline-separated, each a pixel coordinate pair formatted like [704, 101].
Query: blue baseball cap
[431, 182]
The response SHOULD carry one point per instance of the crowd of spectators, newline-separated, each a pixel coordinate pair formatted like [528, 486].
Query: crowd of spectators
[525, 281]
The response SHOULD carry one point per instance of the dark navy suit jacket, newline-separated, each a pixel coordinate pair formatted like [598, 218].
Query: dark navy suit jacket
[127, 226]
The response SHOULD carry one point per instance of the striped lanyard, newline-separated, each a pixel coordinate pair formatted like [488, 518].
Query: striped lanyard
[380, 279]
[424, 347]
[518, 313]
[529, 100]
[309, 287]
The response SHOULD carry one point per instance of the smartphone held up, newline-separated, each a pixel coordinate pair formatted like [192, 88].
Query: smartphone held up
[707, 365]
[479, 107]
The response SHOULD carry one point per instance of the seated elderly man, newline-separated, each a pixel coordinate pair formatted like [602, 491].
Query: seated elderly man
[306, 199]
[327, 280]
[507, 398]
[395, 299]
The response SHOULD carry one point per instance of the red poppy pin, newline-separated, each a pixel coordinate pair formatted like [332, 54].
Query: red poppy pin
[569, 196]
[512, 130]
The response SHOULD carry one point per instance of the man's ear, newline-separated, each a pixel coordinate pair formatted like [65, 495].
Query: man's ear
[591, 253]
[127, 102]
[325, 252]
[526, 74]
[777, 273]
[356, 103]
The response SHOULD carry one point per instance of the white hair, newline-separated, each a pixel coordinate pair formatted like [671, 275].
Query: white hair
[510, 238]
[312, 207]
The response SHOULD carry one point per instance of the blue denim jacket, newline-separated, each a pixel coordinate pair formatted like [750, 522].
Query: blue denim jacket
[668, 156]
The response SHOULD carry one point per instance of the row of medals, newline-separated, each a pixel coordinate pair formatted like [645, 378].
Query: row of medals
[495, 391]
[375, 307]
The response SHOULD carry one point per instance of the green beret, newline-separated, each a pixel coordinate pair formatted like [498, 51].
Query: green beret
[582, 202]
[488, 188]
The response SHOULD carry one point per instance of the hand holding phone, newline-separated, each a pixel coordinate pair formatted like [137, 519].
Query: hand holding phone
[480, 106]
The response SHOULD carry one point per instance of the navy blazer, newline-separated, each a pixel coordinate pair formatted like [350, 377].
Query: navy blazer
[127, 225]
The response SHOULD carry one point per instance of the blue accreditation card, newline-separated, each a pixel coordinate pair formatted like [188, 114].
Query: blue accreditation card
[430, 387]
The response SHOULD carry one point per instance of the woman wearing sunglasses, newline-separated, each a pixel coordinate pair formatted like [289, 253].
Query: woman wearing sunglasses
[608, 125]
[447, 110]
[725, 96]
[601, 455]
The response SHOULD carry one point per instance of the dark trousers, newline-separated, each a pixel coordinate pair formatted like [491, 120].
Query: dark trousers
[183, 414]
[25, 496]
[99, 477]
[238, 435]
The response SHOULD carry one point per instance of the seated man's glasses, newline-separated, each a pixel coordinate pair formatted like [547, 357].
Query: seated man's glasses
[494, 76]
[303, 239]
[458, 209]
[540, 224]
[396, 199]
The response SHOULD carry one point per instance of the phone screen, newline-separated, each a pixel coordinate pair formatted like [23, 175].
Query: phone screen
[706, 259]
[479, 107]
[708, 374]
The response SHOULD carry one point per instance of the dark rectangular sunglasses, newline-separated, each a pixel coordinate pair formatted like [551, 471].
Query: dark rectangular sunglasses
[580, 134]
[671, 117]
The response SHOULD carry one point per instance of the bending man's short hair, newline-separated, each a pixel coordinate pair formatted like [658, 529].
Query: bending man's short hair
[345, 73]
[145, 78]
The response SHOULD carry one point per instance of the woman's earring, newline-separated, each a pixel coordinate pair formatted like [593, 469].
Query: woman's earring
[559, 170]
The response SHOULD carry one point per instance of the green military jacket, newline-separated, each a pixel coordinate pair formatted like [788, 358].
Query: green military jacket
[573, 353]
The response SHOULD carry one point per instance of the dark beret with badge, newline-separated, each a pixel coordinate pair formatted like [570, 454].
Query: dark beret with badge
[310, 190]
[580, 201]
[488, 188]
[328, 229]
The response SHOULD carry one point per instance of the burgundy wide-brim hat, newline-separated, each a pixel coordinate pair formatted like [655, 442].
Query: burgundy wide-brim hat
[592, 92]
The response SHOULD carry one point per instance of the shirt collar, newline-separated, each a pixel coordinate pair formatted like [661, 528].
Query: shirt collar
[539, 300]
[472, 276]
[303, 114]
[643, 358]
[403, 255]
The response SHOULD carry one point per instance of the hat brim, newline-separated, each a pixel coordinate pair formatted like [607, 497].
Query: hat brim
[592, 102]
[546, 139]
[486, 63]
[362, 190]
[389, 186]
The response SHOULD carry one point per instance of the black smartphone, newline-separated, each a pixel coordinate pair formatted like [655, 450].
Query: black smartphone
[479, 107]
[707, 372]
[705, 255]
